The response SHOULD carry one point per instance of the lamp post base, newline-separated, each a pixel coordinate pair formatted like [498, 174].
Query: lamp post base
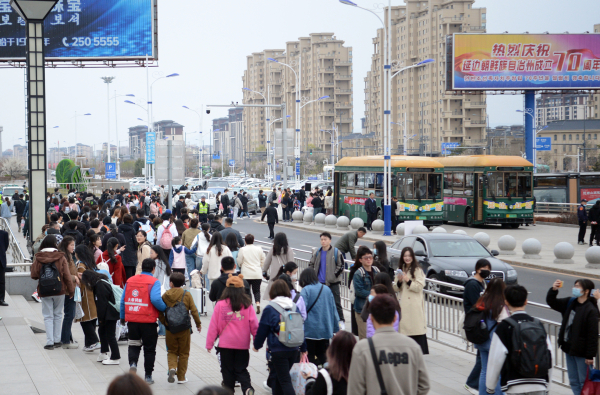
[387, 219]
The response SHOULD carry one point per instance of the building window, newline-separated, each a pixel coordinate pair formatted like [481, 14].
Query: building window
[564, 137]
[570, 137]
[555, 137]
[577, 137]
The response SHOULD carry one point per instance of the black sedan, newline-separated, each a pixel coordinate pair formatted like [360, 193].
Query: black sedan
[450, 258]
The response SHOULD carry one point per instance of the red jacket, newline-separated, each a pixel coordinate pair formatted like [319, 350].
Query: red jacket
[117, 270]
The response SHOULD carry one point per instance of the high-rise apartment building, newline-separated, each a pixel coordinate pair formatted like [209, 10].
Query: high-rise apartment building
[563, 107]
[419, 98]
[324, 66]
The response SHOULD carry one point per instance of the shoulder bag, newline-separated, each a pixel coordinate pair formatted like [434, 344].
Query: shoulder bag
[377, 369]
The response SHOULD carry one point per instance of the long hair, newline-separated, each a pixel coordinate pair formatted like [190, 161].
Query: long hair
[179, 226]
[231, 242]
[493, 297]
[162, 257]
[237, 298]
[131, 384]
[110, 247]
[85, 256]
[362, 251]
[381, 251]
[123, 211]
[205, 229]
[385, 279]
[91, 277]
[217, 241]
[414, 264]
[280, 244]
[339, 355]
[63, 247]
[288, 267]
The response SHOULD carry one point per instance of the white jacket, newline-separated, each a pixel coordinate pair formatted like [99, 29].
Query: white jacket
[250, 259]
[211, 263]
[202, 243]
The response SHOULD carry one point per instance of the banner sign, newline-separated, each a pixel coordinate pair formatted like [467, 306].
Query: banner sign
[414, 208]
[455, 201]
[526, 61]
[151, 148]
[231, 162]
[354, 201]
[589, 193]
[490, 205]
[85, 30]
[543, 143]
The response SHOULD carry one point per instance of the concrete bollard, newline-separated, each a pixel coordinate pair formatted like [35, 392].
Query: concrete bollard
[531, 249]
[439, 229]
[330, 221]
[460, 232]
[378, 226]
[400, 229]
[420, 229]
[592, 256]
[308, 216]
[342, 222]
[297, 216]
[564, 252]
[320, 219]
[357, 223]
[507, 245]
[483, 238]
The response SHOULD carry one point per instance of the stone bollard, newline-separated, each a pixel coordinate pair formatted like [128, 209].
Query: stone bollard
[357, 222]
[342, 222]
[507, 245]
[420, 229]
[297, 216]
[592, 256]
[564, 252]
[320, 219]
[460, 232]
[308, 216]
[531, 249]
[330, 221]
[439, 229]
[400, 229]
[378, 226]
[483, 238]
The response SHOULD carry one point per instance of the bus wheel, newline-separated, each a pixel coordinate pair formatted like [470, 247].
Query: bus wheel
[514, 226]
[469, 218]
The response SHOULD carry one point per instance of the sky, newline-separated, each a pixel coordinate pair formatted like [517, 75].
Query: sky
[207, 42]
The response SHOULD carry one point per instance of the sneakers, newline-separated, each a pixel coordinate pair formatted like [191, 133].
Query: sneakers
[91, 348]
[342, 325]
[471, 390]
[148, 379]
[111, 362]
[102, 357]
[70, 346]
[49, 347]
[250, 391]
[171, 378]
[57, 345]
[36, 297]
[267, 388]
[185, 380]
[133, 368]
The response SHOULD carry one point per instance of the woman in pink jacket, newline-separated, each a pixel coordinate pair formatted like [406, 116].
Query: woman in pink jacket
[233, 322]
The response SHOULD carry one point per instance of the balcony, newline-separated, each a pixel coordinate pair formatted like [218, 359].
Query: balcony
[327, 83]
[457, 132]
[477, 28]
[327, 70]
[474, 104]
[339, 91]
[474, 123]
[454, 114]
[276, 81]
[326, 56]
[343, 105]
[342, 62]
[343, 76]
[327, 113]
[346, 120]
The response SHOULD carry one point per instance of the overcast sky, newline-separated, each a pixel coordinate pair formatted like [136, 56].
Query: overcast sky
[206, 42]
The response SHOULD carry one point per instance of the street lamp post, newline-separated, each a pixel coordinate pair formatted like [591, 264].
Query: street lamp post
[75, 118]
[533, 159]
[201, 171]
[108, 81]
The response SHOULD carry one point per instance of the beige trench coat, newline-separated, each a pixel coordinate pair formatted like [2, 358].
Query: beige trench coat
[412, 304]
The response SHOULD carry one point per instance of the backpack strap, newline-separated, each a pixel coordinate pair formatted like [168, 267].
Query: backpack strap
[328, 381]
[280, 309]
[297, 297]
[569, 303]
[377, 369]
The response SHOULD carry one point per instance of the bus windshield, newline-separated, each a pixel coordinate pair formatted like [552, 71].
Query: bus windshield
[509, 184]
[419, 186]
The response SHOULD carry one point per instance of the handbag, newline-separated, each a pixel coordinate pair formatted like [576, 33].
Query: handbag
[78, 311]
[592, 382]
[77, 295]
[298, 380]
[377, 368]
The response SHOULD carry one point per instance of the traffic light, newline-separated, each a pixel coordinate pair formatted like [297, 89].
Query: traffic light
[311, 151]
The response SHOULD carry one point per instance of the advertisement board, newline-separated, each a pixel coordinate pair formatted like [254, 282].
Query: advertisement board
[525, 61]
[86, 30]
[151, 148]
[589, 193]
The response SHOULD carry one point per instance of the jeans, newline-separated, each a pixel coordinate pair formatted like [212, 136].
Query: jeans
[65, 336]
[484, 361]
[162, 330]
[244, 212]
[234, 367]
[316, 210]
[190, 264]
[577, 371]
[286, 214]
[142, 334]
[335, 290]
[473, 379]
[281, 362]
[107, 331]
[235, 212]
[89, 330]
[52, 310]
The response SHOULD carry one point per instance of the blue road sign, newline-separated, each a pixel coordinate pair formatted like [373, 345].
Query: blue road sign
[297, 167]
[543, 143]
[151, 148]
[312, 178]
[231, 162]
[447, 147]
[216, 156]
[110, 170]
[92, 171]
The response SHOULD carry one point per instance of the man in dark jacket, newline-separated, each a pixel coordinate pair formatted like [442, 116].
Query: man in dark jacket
[272, 219]
[262, 201]
[228, 229]
[179, 205]
[317, 204]
[19, 209]
[371, 209]
[215, 224]
[129, 255]
[301, 195]
[218, 286]
[3, 262]
[582, 218]
[594, 217]
[74, 217]
[225, 202]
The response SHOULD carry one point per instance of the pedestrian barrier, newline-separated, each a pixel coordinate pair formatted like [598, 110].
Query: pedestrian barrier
[357, 223]
[592, 256]
[343, 223]
[555, 208]
[14, 248]
[331, 221]
[378, 226]
[482, 238]
[564, 252]
[439, 229]
[419, 229]
[507, 245]
[531, 249]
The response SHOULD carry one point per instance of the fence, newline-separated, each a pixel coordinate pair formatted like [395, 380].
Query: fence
[555, 208]
[14, 248]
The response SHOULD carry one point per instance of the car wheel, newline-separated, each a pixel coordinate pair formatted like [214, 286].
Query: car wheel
[514, 226]
[469, 218]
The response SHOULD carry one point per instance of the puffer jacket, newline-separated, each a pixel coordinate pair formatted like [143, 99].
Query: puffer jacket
[49, 255]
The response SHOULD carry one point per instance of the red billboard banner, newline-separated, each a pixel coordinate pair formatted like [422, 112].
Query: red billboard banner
[589, 193]
[354, 201]
[455, 201]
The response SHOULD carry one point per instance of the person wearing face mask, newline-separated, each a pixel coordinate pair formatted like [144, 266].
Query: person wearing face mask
[474, 288]
[250, 259]
[578, 336]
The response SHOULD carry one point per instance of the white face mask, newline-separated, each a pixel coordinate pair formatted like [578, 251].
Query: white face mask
[294, 277]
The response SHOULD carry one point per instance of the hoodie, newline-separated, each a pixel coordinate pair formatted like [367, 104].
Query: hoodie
[219, 285]
[173, 296]
[233, 329]
[50, 255]
[268, 327]
[215, 226]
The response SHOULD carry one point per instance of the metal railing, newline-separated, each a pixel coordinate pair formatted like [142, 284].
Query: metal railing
[555, 208]
[14, 247]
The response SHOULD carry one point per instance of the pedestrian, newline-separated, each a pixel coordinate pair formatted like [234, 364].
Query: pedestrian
[85, 261]
[395, 213]
[180, 225]
[128, 384]
[200, 245]
[162, 270]
[4, 240]
[289, 274]
[285, 202]
[372, 376]
[371, 210]
[178, 337]
[187, 240]
[108, 315]
[218, 202]
[474, 288]
[19, 204]
[379, 289]
[262, 201]
[70, 229]
[381, 260]
[301, 195]
[321, 316]
[129, 255]
[52, 264]
[317, 204]
[166, 231]
[236, 206]
[228, 229]
[244, 200]
[328, 263]
[582, 218]
[362, 277]
[250, 260]
[67, 247]
[203, 209]
[281, 358]
[143, 250]
[232, 243]
[220, 283]
[113, 260]
[578, 335]
[272, 219]
[225, 201]
[233, 322]
[140, 306]
[216, 251]
[278, 255]
[179, 205]
[177, 256]
[409, 285]
[507, 363]
[334, 378]
[113, 232]
[594, 217]
[328, 204]
[347, 243]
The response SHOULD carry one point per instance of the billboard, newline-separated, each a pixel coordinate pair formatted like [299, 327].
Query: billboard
[151, 148]
[525, 61]
[86, 30]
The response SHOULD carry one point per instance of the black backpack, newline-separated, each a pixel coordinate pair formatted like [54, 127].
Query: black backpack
[178, 317]
[50, 283]
[475, 326]
[530, 355]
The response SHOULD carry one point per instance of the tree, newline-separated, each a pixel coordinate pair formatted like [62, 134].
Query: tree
[138, 168]
[13, 167]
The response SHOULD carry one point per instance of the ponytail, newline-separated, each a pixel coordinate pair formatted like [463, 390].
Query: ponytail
[205, 228]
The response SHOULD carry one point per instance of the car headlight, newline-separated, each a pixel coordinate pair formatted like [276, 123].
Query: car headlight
[456, 273]
[511, 274]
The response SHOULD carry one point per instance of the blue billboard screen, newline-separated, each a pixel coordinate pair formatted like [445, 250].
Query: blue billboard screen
[85, 29]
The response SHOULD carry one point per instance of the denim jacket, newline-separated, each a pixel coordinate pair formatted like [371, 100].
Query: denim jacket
[362, 287]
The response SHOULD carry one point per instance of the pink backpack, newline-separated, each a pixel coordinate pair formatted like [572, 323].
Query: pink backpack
[166, 238]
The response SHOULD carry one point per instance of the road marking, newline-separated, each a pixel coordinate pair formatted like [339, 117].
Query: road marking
[304, 245]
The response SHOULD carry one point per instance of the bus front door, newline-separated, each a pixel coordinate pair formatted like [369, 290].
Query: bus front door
[478, 196]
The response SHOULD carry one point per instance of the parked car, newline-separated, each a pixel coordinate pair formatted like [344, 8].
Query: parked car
[450, 258]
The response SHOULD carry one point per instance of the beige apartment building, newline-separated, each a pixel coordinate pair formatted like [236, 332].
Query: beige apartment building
[325, 68]
[419, 98]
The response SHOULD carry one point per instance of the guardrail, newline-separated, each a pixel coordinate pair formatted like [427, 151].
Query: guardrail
[14, 247]
[555, 208]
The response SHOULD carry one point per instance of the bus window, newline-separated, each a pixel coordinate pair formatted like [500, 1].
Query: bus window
[420, 186]
[524, 184]
[370, 181]
[405, 186]
[495, 185]
[350, 181]
[360, 184]
[343, 182]
[510, 184]
[458, 184]
[435, 187]
[379, 184]
[447, 184]
[468, 184]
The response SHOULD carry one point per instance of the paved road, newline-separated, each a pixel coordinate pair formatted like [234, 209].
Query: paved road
[536, 281]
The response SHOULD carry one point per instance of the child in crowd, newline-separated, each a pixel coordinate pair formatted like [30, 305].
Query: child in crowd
[177, 255]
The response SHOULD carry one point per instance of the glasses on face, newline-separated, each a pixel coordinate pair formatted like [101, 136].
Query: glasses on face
[367, 258]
